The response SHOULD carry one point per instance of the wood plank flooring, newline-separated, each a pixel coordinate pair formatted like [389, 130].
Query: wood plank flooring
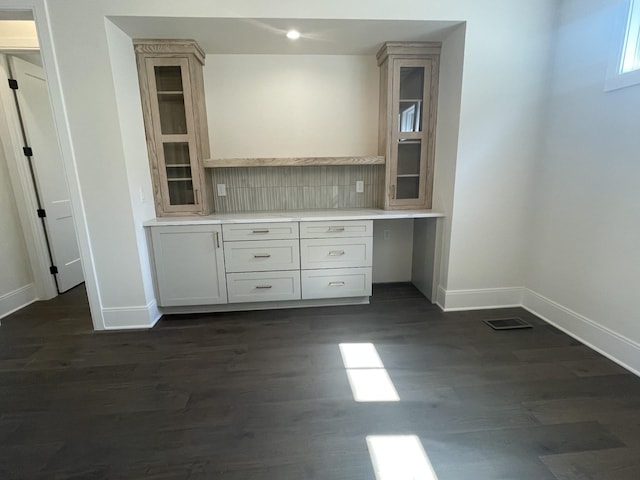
[265, 395]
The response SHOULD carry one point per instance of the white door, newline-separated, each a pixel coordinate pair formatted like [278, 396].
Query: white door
[35, 109]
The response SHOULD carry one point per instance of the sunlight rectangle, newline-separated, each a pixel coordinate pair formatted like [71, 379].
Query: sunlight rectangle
[372, 385]
[399, 457]
[360, 355]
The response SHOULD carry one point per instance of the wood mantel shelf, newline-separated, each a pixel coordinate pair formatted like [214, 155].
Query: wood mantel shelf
[292, 162]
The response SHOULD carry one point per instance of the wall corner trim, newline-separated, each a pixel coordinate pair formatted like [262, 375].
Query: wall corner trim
[612, 345]
[15, 300]
[479, 299]
[130, 318]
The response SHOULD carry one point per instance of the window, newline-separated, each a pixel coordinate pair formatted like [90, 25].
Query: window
[631, 50]
[624, 65]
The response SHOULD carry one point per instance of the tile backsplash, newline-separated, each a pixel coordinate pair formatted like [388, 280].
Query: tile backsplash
[298, 188]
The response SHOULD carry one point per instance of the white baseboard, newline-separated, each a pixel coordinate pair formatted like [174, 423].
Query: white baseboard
[484, 298]
[126, 318]
[17, 299]
[243, 307]
[612, 345]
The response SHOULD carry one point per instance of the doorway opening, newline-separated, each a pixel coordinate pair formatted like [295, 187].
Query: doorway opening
[41, 243]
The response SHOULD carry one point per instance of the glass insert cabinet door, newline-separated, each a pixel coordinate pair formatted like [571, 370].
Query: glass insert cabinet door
[410, 129]
[172, 116]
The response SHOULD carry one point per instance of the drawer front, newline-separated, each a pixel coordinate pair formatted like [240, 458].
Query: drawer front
[354, 228]
[260, 231]
[334, 283]
[262, 255]
[336, 253]
[263, 286]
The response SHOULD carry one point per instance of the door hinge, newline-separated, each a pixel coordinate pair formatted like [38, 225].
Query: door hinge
[28, 152]
[53, 269]
[13, 84]
[41, 213]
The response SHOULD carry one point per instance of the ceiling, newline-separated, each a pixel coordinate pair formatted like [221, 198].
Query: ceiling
[267, 36]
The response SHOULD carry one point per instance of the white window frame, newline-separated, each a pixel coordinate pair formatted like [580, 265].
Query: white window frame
[624, 67]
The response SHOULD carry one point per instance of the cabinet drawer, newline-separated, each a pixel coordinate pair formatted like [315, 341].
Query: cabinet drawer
[336, 252]
[353, 228]
[260, 231]
[263, 286]
[339, 282]
[261, 255]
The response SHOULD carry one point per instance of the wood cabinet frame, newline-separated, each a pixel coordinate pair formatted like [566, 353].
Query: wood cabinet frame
[187, 55]
[392, 57]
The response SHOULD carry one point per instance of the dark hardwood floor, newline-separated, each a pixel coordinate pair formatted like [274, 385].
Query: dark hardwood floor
[265, 395]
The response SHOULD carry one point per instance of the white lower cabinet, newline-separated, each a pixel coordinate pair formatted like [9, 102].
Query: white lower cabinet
[336, 259]
[263, 286]
[336, 283]
[261, 262]
[189, 265]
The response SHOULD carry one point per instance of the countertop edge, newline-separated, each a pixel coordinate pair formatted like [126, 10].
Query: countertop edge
[293, 216]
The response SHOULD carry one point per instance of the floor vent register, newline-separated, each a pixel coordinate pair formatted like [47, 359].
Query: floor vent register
[508, 323]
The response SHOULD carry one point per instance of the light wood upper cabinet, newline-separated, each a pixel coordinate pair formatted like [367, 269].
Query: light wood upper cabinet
[408, 107]
[175, 120]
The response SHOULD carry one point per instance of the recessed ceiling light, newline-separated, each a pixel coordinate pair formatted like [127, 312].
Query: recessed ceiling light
[293, 34]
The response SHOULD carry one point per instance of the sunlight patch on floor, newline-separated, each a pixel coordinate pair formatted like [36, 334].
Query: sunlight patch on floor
[399, 457]
[367, 376]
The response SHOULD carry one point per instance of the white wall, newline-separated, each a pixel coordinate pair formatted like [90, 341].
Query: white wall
[504, 84]
[292, 105]
[585, 235]
[125, 83]
[447, 130]
[16, 280]
[393, 240]
[504, 56]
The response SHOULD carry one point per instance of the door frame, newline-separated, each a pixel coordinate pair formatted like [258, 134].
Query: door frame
[23, 187]
[52, 72]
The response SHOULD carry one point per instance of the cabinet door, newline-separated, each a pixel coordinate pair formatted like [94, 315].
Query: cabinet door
[172, 115]
[411, 132]
[189, 264]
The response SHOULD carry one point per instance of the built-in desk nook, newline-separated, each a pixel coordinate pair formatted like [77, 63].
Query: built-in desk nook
[317, 235]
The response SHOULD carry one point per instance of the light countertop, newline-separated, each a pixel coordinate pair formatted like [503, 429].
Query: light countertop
[294, 216]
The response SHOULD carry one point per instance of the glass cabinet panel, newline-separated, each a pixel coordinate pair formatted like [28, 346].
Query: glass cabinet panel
[181, 191]
[411, 83]
[179, 175]
[410, 115]
[168, 78]
[408, 188]
[411, 96]
[173, 118]
[409, 157]
[409, 148]
[408, 170]
[173, 121]
[176, 153]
